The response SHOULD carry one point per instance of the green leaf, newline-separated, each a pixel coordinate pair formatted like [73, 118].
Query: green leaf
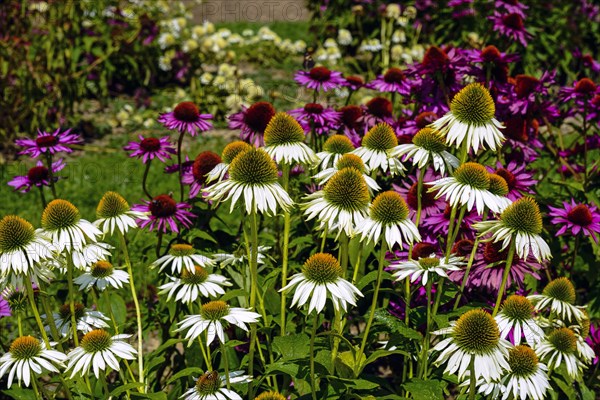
[20, 394]
[365, 280]
[151, 396]
[124, 388]
[425, 390]
[395, 325]
[292, 347]
[566, 388]
[185, 372]
[285, 367]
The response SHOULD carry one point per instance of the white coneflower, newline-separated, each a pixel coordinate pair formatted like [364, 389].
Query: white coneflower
[252, 177]
[469, 186]
[212, 386]
[227, 156]
[98, 350]
[522, 222]
[211, 319]
[474, 338]
[527, 378]
[189, 286]
[426, 266]
[21, 246]
[388, 215]
[348, 161]
[87, 320]
[113, 211]
[284, 141]
[471, 119]
[89, 254]
[559, 297]
[62, 223]
[321, 277]
[333, 149]
[428, 146]
[560, 348]
[101, 275]
[377, 148]
[240, 257]
[342, 204]
[516, 317]
[181, 256]
[27, 357]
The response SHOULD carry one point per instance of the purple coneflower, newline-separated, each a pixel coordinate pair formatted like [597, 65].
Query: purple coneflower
[317, 116]
[494, 63]
[186, 117]
[150, 148]
[163, 213]
[377, 110]
[593, 339]
[394, 80]
[518, 180]
[511, 25]
[438, 224]
[429, 204]
[252, 121]
[51, 143]
[581, 91]
[186, 166]
[354, 82]
[511, 6]
[351, 123]
[407, 127]
[4, 308]
[320, 78]
[37, 176]
[577, 218]
[196, 176]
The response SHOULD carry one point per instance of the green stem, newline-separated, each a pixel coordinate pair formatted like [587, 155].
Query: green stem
[50, 173]
[225, 365]
[473, 380]
[450, 229]
[19, 323]
[35, 389]
[104, 383]
[145, 178]
[358, 362]
[42, 197]
[313, 379]
[324, 238]
[50, 318]
[461, 215]
[424, 354]
[509, 260]
[179, 144]
[343, 253]
[286, 243]
[36, 313]
[438, 298]
[72, 298]
[253, 291]
[407, 301]
[467, 271]
[358, 262]
[138, 314]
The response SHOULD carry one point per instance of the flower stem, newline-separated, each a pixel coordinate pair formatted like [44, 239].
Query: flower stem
[467, 271]
[50, 174]
[324, 238]
[509, 260]
[313, 379]
[286, 243]
[450, 229]
[42, 197]
[358, 262]
[358, 361]
[424, 354]
[473, 380]
[343, 253]
[179, 144]
[145, 178]
[253, 289]
[19, 324]
[35, 389]
[104, 383]
[36, 313]
[225, 365]
[72, 298]
[138, 314]
[50, 319]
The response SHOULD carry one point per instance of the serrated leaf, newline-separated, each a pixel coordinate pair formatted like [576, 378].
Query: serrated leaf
[292, 347]
[425, 389]
[287, 368]
[124, 388]
[395, 325]
[18, 393]
[185, 372]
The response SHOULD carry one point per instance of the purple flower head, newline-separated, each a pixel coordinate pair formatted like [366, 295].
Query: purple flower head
[354, 82]
[576, 218]
[317, 116]
[511, 6]
[394, 81]
[438, 223]
[493, 62]
[186, 117]
[351, 123]
[511, 25]
[196, 176]
[581, 92]
[425, 248]
[320, 78]
[408, 127]
[518, 180]
[377, 110]
[409, 191]
[164, 213]
[587, 60]
[37, 176]
[49, 143]
[4, 308]
[150, 148]
[593, 339]
[525, 95]
[185, 167]
[252, 121]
